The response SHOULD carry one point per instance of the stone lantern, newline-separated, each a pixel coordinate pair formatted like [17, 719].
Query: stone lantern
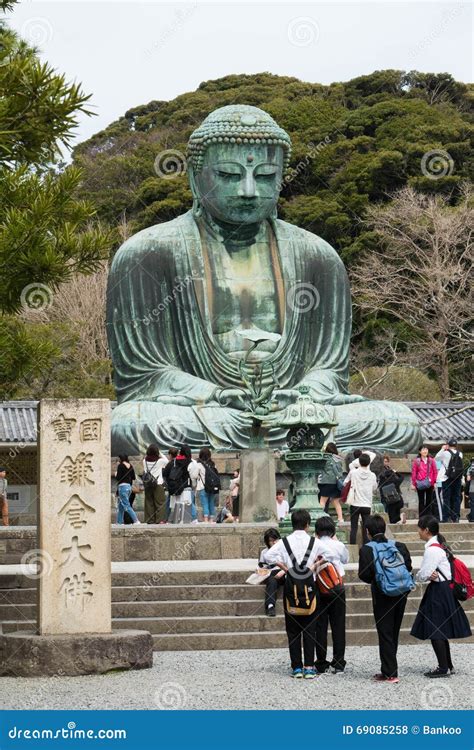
[308, 425]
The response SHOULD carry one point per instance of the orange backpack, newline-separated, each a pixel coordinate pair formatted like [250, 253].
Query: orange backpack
[329, 580]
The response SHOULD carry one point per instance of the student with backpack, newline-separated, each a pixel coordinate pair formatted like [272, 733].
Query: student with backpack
[208, 484]
[180, 477]
[296, 555]
[386, 565]
[440, 616]
[331, 556]
[152, 478]
[454, 467]
[423, 479]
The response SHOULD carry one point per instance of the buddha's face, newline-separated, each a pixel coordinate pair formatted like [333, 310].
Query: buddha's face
[239, 184]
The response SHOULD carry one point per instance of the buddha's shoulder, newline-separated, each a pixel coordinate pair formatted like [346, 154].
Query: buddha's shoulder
[308, 240]
[159, 237]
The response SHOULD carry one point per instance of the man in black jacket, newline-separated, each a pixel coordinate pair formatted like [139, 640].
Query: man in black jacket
[388, 610]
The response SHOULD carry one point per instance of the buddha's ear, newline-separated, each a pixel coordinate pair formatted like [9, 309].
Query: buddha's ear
[197, 208]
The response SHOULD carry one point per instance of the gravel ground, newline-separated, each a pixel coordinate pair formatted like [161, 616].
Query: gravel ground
[250, 679]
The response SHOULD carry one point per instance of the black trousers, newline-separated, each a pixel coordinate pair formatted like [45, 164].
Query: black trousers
[388, 614]
[331, 611]
[393, 510]
[364, 513]
[301, 628]
[425, 502]
[271, 587]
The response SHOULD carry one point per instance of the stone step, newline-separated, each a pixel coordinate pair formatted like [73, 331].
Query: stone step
[275, 639]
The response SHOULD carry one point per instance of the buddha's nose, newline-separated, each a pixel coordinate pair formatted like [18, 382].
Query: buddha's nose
[248, 187]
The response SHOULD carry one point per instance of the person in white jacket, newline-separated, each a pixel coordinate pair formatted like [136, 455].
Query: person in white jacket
[363, 485]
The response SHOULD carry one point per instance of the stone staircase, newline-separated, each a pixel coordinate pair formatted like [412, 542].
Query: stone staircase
[199, 604]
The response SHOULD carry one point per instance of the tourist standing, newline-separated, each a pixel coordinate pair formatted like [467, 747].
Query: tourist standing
[331, 480]
[282, 507]
[454, 468]
[440, 616]
[155, 498]
[208, 484]
[172, 453]
[296, 555]
[180, 476]
[234, 488]
[354, 464]
[388, 609]
[360, 497]
[331, 609]
[423, 480]
[469, 490]
[125, 475]
[389, 482]
[4, 496]
[277, 575]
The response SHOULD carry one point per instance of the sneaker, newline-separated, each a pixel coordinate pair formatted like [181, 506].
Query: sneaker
[271, 611]
[452, 670]
[438, 673]
[137, 523]
[403, 517]
[337, 670]
[298, 673]
[325, 670]
[195, 521]
[309, 673]
[392, 680]
[381, 678]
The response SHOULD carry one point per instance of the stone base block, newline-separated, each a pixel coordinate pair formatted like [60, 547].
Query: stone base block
[25, 654]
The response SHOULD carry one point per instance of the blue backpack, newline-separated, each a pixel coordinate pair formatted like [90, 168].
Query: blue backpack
[391, 573]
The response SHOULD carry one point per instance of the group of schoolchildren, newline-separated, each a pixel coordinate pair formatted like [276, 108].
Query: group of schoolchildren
[310, 570]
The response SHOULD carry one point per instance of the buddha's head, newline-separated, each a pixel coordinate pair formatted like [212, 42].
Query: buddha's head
[237, 157]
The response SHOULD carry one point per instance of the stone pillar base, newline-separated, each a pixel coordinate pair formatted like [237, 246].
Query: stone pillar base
[27, 654]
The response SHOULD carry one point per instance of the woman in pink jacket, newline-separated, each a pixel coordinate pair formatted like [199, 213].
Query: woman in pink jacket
[423, 480]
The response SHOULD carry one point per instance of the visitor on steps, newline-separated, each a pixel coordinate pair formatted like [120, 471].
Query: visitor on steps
[208, 484]
[423, 480]
[296, 556]
[388, 609]
[152, 477]
[180, 477]
[440, 616]
[389, 482]
[225, 513]
[4, 496]
[453, 464]
[331, 609]
[125, 474]
[277, 575]
[360, 497]
[331, 480]
[282, 507]
[469, 490]
[355, 463]
[172, 453]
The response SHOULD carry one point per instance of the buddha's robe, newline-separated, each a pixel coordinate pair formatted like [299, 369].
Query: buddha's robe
[168, 365]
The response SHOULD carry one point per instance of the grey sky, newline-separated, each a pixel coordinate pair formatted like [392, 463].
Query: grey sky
[128, 53]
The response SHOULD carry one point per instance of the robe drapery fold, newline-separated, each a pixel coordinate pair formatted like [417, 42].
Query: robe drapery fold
[167, 364]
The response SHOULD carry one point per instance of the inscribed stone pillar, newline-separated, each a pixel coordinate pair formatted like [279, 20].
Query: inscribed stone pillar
[257, 486]
[74, 516]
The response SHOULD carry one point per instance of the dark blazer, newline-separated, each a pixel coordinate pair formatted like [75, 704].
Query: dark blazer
[366, 560]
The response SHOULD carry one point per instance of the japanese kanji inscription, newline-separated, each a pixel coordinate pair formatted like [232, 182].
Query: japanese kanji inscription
[74, 516]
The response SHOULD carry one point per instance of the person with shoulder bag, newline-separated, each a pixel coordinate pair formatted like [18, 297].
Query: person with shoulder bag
[331, 558]
[125, 476]
[180, 476]
[452, 461]
[331, 480]
[440, 616]
[386, 565]
[389, 482]
[153, 482]
[296, 555]
[423, 479]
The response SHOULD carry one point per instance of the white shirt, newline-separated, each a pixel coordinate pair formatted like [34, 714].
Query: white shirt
[333, 551]
[355, 463]
[433, 558]
[445, 456]
[155, 468]
[298, 542]
[282, 509]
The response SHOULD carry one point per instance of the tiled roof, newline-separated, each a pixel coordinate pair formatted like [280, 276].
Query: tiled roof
[439, 420]
[18, 421]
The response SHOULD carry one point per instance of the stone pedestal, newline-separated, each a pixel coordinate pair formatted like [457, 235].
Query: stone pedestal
[25, 654]
[257, 486]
